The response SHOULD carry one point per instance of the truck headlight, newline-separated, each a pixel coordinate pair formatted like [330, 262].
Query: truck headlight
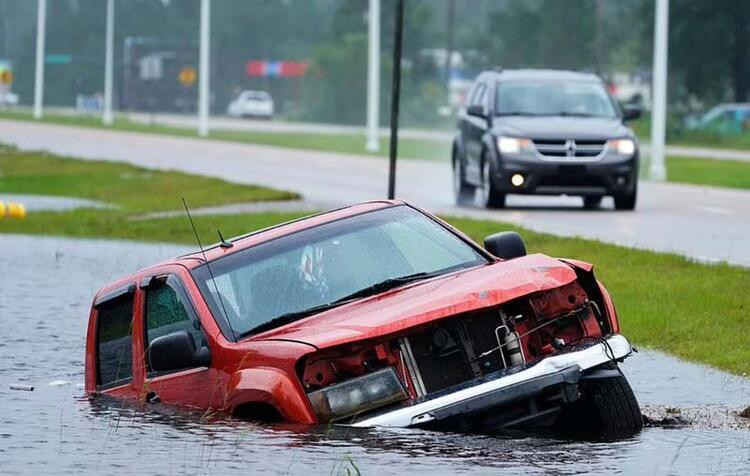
[357, 395]
[623, 146]
[513, 145]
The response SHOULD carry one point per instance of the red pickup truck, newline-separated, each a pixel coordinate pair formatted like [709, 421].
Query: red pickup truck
[378, 314]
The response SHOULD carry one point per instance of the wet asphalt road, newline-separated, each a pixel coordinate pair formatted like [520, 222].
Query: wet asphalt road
[705, 223]
[47, 287]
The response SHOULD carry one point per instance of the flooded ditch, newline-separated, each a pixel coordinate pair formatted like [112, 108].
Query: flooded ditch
[46, 286]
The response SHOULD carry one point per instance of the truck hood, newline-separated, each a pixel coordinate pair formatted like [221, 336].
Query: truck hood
[546, 127]
[425, 301]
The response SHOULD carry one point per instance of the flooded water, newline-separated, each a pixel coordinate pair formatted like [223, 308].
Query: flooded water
[46, 286]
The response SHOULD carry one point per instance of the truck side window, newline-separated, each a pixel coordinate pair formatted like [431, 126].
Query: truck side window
[169, 310]
[114, 341]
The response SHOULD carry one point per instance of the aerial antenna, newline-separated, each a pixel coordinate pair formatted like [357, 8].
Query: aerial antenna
[208, 267]
[222, 242]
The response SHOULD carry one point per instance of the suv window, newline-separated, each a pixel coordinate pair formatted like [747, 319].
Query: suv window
[479, 94]
[169, 310]
[114, 341]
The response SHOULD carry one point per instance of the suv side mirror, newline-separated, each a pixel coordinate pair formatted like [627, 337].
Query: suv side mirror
[631, 112]
[505, 245]
[476, 110]
[177, 351]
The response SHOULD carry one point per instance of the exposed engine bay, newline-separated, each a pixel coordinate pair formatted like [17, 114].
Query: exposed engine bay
[452, 353]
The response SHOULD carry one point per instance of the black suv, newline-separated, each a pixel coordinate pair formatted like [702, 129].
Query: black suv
[544, 132]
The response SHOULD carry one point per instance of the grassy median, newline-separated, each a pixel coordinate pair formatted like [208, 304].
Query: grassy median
[719, 173]
[128, 191]
[695, 311]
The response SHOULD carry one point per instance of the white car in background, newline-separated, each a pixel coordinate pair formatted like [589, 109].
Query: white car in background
[8, 98]
[252, 104]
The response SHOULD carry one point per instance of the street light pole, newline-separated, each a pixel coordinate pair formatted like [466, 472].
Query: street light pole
[373, 77]
[107, 118]
[41, 22]
[204, 73]
[658, 170]
[395, 97]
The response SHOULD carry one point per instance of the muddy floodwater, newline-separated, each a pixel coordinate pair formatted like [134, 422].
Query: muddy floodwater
[46, 286]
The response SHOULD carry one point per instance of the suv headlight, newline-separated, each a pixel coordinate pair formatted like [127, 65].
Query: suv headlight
[513, 145]
[623, 146]
[357, 395]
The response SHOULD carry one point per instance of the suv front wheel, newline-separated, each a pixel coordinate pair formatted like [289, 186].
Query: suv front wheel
[491, 197]
[463, 191]
[626, 201]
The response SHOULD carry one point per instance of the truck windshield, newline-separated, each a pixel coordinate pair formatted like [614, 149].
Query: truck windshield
[554, 98]
[261, 286]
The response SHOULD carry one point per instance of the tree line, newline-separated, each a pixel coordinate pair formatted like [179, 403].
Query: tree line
[708, 46]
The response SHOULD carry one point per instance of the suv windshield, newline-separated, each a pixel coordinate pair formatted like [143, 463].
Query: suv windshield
[554, 98]
[314, 268]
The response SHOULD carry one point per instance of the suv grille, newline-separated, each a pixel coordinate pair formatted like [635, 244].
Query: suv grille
[555, 149]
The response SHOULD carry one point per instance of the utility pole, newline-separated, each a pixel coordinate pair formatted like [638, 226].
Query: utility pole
[204, 73]
[107, 118]
[373, 77]
[395, 96]
[658, 170]
[41, 22]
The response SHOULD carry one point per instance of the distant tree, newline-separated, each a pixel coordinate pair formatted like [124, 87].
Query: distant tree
[709, 47]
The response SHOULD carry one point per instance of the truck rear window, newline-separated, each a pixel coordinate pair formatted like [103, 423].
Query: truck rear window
[114, 337]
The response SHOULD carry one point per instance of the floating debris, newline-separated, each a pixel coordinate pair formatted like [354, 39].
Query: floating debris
[19, 386]
[59, 383]
[703, 416]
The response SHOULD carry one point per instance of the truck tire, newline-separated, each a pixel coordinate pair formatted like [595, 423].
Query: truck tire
[607, 409]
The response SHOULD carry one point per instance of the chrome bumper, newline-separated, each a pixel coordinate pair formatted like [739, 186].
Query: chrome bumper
[427, 411]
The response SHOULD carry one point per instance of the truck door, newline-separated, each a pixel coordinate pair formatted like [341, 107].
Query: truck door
[167, 309]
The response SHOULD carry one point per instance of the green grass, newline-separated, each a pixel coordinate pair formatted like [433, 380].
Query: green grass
[720, 173]
[348, 143]
[131, 189]
[86, 223]
[695, 311]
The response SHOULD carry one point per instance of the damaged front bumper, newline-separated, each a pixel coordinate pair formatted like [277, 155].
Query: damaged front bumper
[555, 377]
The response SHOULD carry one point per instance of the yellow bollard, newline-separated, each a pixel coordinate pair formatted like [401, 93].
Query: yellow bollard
[12, 210]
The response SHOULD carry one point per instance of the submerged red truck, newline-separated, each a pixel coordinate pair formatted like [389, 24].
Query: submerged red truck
[378, 314]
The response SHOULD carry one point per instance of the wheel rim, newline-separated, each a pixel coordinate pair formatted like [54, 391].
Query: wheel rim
[486, 182]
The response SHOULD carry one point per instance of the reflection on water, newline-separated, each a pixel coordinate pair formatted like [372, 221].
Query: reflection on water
[47, 286]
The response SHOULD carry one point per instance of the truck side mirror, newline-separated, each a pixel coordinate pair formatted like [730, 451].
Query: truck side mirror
[176, 351]
[505, 245]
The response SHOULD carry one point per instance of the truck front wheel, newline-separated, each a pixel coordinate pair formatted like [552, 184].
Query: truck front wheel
[607, 409]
